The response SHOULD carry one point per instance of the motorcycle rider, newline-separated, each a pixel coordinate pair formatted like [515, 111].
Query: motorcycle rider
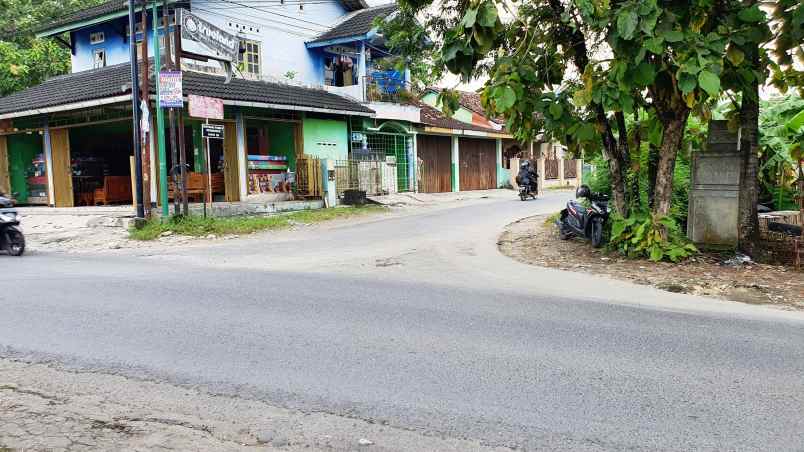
[528, 177]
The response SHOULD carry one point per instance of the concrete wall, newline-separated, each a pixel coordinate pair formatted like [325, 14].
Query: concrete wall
[115, 43]
[326, 138]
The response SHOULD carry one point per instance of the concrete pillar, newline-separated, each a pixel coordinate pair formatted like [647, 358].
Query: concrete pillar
[500, 176]
[540, 169]
[328, 183]
[578, 172]
[51, 194]
[242, 158]
[414, 186]
[561, 171]
[362, 69]
[456, 164]
[154, 179]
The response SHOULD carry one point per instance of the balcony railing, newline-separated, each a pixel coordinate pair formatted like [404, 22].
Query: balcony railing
[386, 89]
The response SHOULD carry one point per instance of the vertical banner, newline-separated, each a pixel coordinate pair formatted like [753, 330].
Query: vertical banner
[170, 89]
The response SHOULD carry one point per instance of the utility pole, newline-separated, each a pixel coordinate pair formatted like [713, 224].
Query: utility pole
[146, 102]
[160, 115]
[135, 111]
[182, 156]
[174, 150]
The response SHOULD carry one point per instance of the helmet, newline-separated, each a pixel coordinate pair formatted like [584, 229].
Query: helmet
[583, 192]
[524, 164]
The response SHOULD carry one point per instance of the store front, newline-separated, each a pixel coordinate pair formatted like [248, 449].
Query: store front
[271, 151]
[100, 164]
[26, 178]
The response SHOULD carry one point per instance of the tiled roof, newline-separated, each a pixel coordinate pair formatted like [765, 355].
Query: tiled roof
[470, 100]
[108, 7]
[116, 80]
[431, 116]
[358, 23]
[113, 6]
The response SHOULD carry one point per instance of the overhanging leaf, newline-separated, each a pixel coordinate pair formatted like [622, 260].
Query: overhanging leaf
[469, 18]
[735, 55]
[673, 36]
[488, 14]
[710, 83]
[751, 15]
[504, 97]
[644, 74]
[626, 24]
[556, 110]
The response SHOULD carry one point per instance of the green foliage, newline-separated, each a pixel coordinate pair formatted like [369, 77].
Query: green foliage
[24, 59]
[781, 138]
[646, 235]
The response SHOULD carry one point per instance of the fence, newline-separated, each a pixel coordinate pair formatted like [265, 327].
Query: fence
[551, 169]
[570, 169]
[308, 177]
[375, 177]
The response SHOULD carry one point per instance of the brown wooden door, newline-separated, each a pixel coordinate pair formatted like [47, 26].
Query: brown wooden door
[231, 173]
[478, 160]
[435, 163]
[62, 170]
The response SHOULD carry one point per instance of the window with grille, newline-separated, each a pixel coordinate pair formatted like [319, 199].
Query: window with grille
[97, 37]
[99, 58]
[250, 59]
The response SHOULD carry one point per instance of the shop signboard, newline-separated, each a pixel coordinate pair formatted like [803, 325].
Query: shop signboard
[170, 89]
[202, 38]
[205, 107]
[212, 131]
[341, 50]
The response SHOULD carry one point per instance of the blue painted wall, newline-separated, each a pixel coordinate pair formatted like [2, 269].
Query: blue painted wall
[115, 43]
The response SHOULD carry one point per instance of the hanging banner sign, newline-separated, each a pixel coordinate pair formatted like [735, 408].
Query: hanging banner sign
[207, 40]
[341, 50]
[170, 89]
[212, 131]
[205, 107]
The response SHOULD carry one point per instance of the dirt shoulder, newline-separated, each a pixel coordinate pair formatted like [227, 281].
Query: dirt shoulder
[532, 241]
[43, 407]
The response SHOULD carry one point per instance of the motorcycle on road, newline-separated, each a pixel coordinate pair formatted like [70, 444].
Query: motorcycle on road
[12, 240]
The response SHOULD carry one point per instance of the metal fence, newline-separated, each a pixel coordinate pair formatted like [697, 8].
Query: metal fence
[375, 177]
[308, 177]
[551, 169]
[570, 169]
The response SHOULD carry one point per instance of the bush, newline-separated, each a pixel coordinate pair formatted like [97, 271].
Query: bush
[642, 235]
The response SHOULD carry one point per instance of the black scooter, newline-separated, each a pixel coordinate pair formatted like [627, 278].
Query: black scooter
[579, 221]
[11, 239]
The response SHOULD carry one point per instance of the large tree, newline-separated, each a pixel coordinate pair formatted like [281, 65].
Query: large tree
[580, 71]
[24, 59]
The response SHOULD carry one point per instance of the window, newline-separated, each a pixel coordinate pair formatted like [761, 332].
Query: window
[250, 59]
[97, 37]
[99, 58]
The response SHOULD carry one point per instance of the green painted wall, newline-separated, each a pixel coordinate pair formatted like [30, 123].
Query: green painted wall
[21, 151]
[462, 114]
[281, 141]
[326, 138]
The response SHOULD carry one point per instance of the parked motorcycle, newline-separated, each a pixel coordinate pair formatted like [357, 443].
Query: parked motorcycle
[11, 238]
[578, 220]
[528, 180]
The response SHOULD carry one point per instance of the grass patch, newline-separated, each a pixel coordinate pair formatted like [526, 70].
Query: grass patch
[198, 226]
[551, 220]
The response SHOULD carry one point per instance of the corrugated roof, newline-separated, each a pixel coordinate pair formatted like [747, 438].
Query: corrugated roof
[358, 23]
[116, 80]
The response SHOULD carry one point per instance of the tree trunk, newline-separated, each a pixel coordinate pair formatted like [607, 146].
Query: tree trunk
[748, 225]
[671, 140]
[653, 167]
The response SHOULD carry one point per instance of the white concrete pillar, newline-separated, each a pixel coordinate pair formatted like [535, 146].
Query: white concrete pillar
[415, 175]
[362, 71]
[51, 194]
[328, 183]
[242, 158]
[154, 179]
[500, 178]
[561, 171]
[456, 164]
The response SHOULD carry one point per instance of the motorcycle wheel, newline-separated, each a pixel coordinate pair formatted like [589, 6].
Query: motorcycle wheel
[16, 243]
[523, 196]
[597, 233]
[562, 232]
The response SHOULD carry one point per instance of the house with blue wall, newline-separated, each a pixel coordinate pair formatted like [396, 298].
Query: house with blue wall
[308, 83]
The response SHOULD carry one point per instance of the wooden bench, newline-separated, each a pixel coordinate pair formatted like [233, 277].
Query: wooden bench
[115, 189]
[196, 183]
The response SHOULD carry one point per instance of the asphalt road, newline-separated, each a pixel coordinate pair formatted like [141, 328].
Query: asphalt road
[418, 321]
